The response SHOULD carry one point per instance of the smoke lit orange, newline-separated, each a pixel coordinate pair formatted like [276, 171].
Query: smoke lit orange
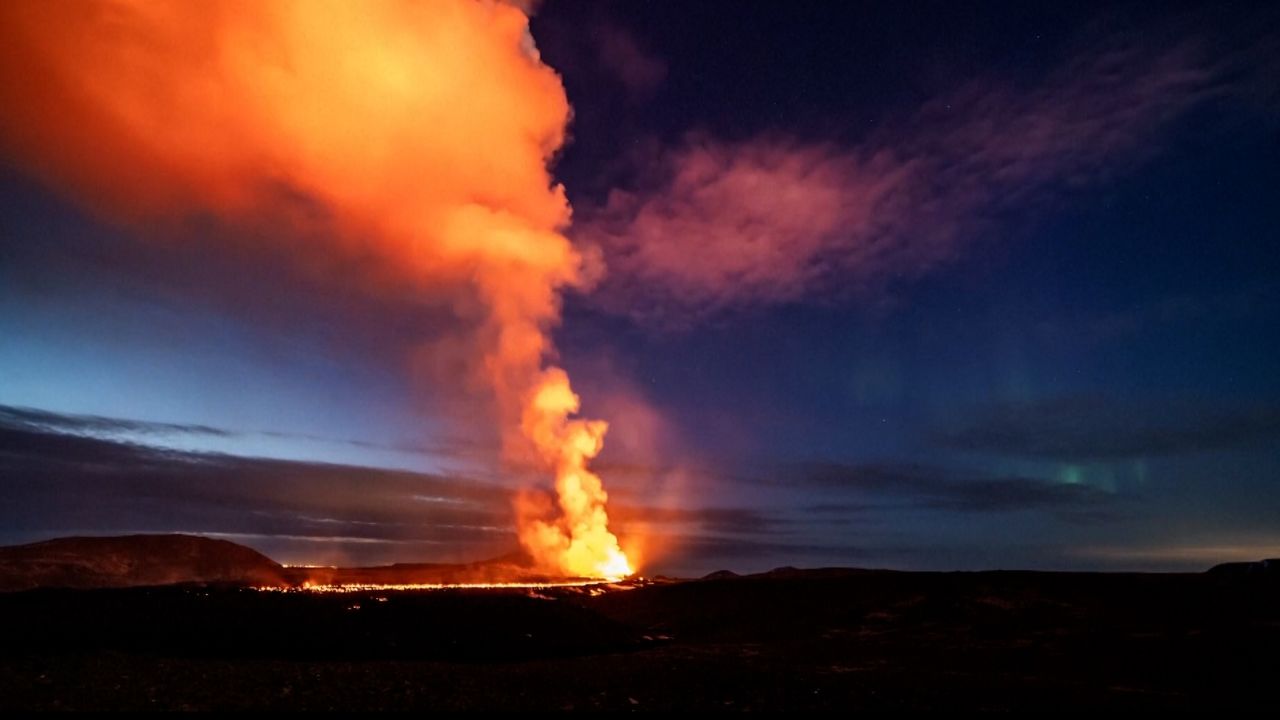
[423, 128]
[578, 541]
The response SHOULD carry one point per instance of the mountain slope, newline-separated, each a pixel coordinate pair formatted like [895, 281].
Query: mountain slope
[134, 560]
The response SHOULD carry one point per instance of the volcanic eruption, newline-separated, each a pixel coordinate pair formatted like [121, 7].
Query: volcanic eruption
[422, 129]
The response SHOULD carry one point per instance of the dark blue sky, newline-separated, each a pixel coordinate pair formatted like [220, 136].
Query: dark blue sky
[1049, 340]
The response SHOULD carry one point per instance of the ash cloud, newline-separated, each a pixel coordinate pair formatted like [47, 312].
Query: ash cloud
[268, 162]
[398, 143]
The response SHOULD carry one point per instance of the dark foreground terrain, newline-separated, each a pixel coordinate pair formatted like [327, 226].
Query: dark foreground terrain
[788, 639]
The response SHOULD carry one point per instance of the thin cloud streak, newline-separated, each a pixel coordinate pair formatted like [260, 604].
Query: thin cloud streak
[1090, 427]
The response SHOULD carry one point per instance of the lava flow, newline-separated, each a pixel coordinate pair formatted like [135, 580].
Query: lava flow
[403, 587]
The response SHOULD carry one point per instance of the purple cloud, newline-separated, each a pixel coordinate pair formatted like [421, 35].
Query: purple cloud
[713, 225]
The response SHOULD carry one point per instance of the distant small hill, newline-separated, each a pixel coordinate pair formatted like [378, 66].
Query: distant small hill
[1269, 568]
[721, 575]
[133, 561]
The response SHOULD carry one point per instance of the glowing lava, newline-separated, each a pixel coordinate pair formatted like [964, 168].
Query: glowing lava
[410, 587]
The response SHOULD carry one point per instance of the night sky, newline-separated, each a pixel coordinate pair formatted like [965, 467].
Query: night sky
[897, 285]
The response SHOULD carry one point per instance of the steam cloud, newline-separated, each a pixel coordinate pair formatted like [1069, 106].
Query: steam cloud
[422, 129]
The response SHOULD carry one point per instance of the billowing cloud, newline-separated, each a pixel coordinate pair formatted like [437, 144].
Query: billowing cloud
[395, 142]
[714, 224]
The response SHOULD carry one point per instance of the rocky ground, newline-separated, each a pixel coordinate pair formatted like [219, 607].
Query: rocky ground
[822, 639]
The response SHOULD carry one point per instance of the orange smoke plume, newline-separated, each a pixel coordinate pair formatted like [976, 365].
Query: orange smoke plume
[579, 541]
[422, 128]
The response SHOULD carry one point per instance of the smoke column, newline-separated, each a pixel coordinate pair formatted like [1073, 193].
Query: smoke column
[422, 128]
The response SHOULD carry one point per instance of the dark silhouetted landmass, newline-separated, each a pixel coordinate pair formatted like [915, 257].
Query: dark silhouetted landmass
[134, 560]
[1269, 568]
[793, 639]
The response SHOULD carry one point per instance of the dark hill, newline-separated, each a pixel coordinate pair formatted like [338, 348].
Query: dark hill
[1269, 568]
[134, 560]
